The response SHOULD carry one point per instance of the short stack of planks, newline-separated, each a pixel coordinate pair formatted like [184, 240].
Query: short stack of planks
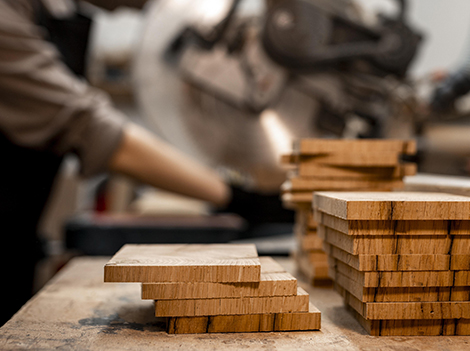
[215, 288]
[344, 165]
[401, 260]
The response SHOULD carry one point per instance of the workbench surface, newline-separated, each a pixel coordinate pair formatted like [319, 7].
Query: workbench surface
[77, 311]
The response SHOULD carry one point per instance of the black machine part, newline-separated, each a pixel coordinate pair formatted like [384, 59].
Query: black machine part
[302, 36]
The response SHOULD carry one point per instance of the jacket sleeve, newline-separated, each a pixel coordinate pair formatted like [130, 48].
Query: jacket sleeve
[44, 106]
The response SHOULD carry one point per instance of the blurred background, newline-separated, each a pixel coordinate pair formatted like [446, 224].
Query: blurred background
[234, 83]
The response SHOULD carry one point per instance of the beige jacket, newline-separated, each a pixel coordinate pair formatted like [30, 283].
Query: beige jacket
[42, 104]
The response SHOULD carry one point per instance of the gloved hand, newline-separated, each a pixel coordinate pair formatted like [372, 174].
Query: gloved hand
[257, 208]
[453, 87]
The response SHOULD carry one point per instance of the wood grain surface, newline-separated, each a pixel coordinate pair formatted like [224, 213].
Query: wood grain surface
[150, 263]
[393, 205]
[394, 244]
[323, 171]
[232, 306]
[295, 321]
[326, 146]
[275, 281]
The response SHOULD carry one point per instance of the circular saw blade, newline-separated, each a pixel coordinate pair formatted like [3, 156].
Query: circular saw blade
[203, 126]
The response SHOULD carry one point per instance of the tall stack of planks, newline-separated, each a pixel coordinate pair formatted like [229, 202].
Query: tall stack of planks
[332, 164]
[401, 260]
[215, 288]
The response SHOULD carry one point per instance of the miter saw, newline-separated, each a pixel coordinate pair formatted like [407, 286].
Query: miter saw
[235, 82]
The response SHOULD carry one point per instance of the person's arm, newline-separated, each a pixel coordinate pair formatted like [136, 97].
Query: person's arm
[44, 106]
[144, 157]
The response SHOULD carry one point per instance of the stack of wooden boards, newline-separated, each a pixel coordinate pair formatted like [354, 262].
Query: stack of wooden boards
[331, 164]
[401, 260]
[215, 288]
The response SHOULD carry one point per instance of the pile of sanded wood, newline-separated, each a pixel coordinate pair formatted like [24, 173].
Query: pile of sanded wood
[401, 260]
[332, 164]
[215, 288]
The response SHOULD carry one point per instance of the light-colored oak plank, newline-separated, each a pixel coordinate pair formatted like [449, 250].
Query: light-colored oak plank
[275, 281]
[308, 184]
[389, 227]
[232, 306]
[371, 263]
[295, 321]
[322, 171]
[404, 294]
[149, 263]
[390, 244]
[328, 146]
[402, 279]
[393, 205]
[419, 327]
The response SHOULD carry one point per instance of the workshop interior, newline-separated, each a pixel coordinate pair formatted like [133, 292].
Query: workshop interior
[234, 85]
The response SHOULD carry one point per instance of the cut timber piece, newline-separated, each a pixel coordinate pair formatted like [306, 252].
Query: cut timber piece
[400, 294]
[393, 205]
[318, 256]
[419, 327]
[365, 173]
[275, 281]
[460, 244]
[327, 146]
[308, 184]
[400, 279]
[460, 263]
[295, 321]
[372, 263]
[184, 263]
[358, 160]
[303, 199]
[311, 242]
[314, 271]
[304, 218]
[384, 227]
[411, 310]
[297, 198]
[387, 244]
[232, 306]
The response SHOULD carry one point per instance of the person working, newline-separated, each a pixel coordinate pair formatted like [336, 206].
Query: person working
[47, 112]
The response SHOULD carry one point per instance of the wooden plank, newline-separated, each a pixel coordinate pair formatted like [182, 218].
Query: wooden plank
[150, 263]
[311, 242]
[296, 198]
[415, 310]
[402, 279]
[313, 271]
[389, 244]
[393, 205]
[275, 281]
[322, 171]
[232, 306]
[354, 159]
[363, 146]
[419, 327]
[317, 257]
[385, 227]
[406, 294]
[305, 220]
[371, 263]
[295, 321]
[309, 184]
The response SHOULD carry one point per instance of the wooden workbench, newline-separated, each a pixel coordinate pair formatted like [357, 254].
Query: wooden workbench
[77, 311]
